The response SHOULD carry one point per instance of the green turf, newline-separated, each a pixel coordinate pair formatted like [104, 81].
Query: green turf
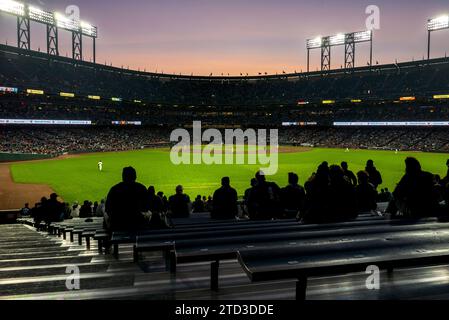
[78, 179]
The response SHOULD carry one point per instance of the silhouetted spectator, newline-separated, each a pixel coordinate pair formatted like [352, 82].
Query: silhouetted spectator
[95, 207]
[317, 190]
[157, 210]
[330, 197]
[25, 211]
[348, 173]
[198, 205]
[38, 212]
[247, 194]
[164, 199]
[225, 201]
[292, 197]
[375, 178]
[86, 210]
[414, 195]
[342, 195]
[180, 205]
[76, 210]
[445, 180]
[388, 195]
[264, 199]
[126, 203]
[206, 209]
[101, 209]
[366, 194]
[209, 204]
[67, 211]
[53, 209]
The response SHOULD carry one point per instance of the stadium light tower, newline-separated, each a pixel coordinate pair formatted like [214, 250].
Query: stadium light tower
[349, 40]
[54, 21]
[436, 24]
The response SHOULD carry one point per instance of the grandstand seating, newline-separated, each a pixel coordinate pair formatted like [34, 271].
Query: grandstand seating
[39, 259]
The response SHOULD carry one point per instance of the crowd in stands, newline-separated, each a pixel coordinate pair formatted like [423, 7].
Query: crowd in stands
[62, 75]
[332, 194]
[401, 139]
[105, 111]
[57, 141]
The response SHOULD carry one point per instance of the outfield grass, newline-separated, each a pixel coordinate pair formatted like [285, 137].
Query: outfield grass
[78, 179]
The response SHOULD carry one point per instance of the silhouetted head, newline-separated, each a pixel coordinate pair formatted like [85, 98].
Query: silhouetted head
[370, 164]
[27, 205]
[344, 165]
[129, 175]
[43, 199]
[335, 173]
[363, 177]
[179, 189]
[322, 172]
[151, 190]
[225, 182]
[160, 194]
[293, 178]
[253, 182]
[53, 196]
[260, 177]
[412, 166]
[447, 162]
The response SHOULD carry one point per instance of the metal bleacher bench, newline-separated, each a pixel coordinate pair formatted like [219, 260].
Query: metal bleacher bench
[388, 251]
[131, 237]
[224, 245]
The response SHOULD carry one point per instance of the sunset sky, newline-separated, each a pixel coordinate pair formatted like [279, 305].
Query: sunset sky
[239, 36]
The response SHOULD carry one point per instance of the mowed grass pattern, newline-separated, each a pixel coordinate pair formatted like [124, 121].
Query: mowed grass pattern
[78, 179]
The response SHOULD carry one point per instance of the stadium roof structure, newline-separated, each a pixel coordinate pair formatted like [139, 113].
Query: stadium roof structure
[54, 21]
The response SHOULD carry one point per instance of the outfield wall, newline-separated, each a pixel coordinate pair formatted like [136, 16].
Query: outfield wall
[14, 157]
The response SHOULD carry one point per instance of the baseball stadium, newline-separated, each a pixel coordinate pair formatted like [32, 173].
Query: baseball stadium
[88, 177]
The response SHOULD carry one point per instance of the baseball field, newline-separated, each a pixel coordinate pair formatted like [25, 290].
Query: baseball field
[77, 178]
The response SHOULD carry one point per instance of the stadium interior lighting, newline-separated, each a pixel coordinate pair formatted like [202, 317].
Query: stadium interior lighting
[439, 23]
[12, 7]
[337, 40]
[26, 13]
[63, 22]
[436, 24]
[363, 36]
[314, 43]
[40, 15]
[349, 40]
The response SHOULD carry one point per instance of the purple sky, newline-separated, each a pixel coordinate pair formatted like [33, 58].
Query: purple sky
[233, 36]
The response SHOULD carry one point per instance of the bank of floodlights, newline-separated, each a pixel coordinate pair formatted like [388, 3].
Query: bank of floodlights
[54, 21]
[436, 24]
[349, 40]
